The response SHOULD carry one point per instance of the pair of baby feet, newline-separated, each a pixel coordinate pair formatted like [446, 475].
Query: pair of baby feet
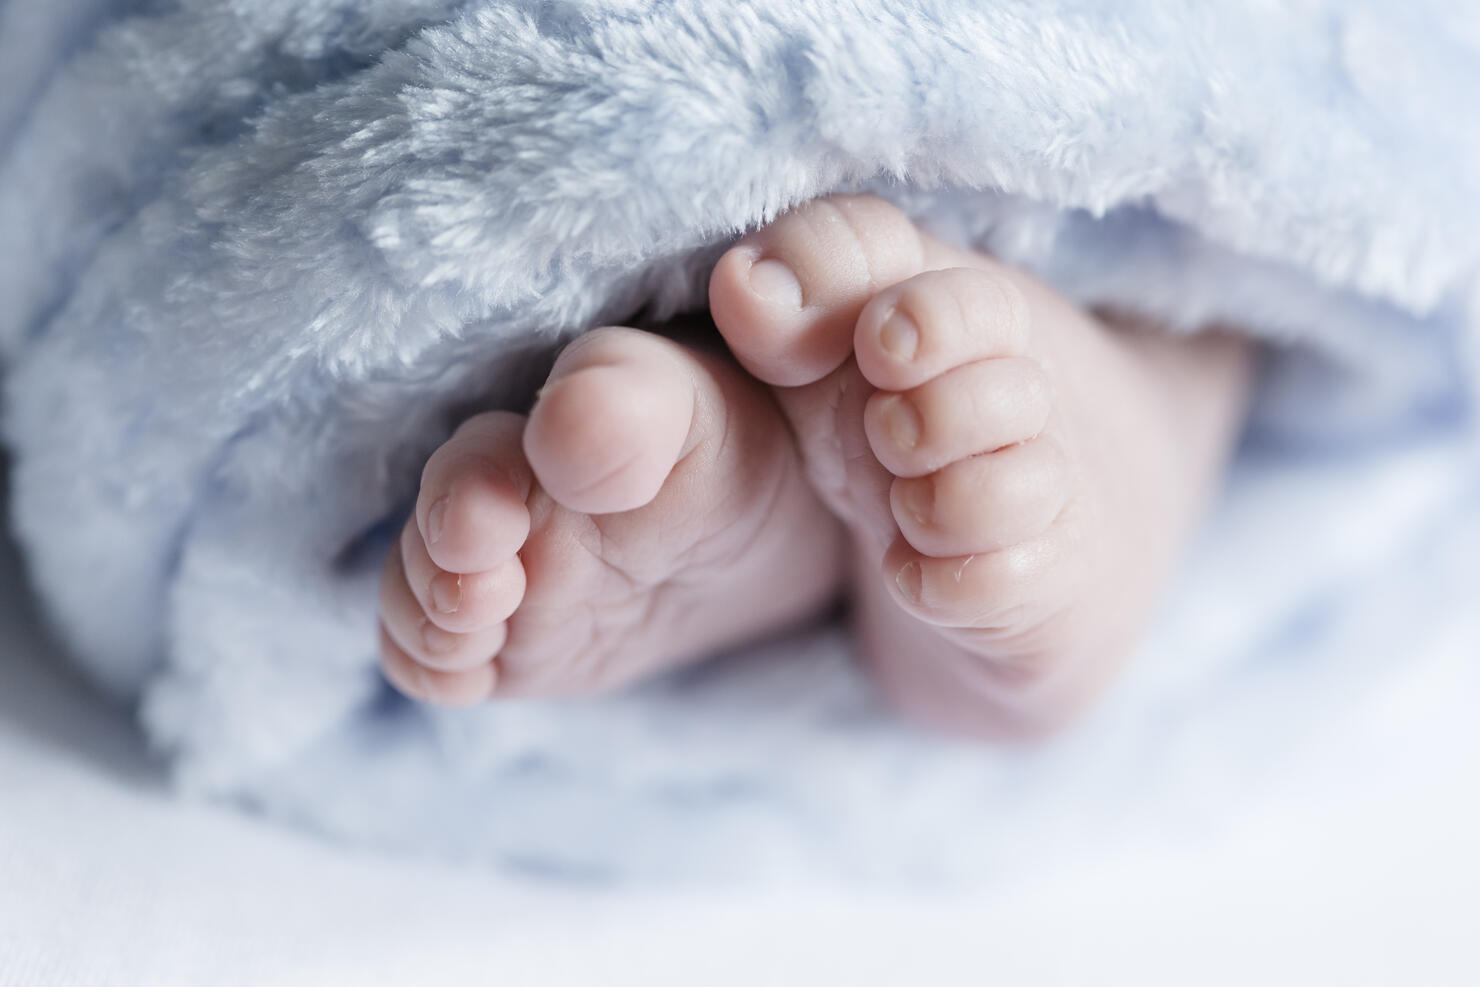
[1000, 479]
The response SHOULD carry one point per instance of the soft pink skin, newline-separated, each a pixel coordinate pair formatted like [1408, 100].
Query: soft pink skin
[652, 509]
[1016, 480]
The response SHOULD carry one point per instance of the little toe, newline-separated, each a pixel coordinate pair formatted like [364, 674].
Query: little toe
[611, 422]
[920, 328]
[470, 511]
[460, 602]
[787, 296]
[972, 409]
[464, 687]
[1014, 586]
[406, 623]
[984, 503]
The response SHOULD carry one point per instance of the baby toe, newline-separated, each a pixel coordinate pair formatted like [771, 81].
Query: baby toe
[1015, 586]
[972, 409]
[611, 422]
[406, 622]
[937, 320]
[460, 601]
[787, 296]
[415, 680]
[470, 512]
[983, 503]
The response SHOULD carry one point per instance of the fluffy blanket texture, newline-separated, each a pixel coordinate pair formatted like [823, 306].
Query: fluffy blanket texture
[261, 256]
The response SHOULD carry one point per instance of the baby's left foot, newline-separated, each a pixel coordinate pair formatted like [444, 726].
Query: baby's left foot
[1022, 474]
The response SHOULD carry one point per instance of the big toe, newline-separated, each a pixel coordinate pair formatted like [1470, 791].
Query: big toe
[611, 422]
[787, 296]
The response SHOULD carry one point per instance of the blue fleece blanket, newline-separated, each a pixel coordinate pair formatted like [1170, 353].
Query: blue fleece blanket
[260, 257]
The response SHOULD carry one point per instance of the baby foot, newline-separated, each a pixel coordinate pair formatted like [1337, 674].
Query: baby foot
[1022, 474]
[651, 509]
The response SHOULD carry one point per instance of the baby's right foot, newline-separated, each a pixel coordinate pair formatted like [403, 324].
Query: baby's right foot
[652, 509]
[1023, 475]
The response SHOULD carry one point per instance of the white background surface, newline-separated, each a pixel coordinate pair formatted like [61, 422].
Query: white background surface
[104, 879]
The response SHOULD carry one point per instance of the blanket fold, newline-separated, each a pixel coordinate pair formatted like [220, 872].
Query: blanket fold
[261, 257]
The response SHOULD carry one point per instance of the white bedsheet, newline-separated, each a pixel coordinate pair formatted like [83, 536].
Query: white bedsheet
[1370, 877]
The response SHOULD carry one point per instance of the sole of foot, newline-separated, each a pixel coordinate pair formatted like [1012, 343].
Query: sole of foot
[651, 509]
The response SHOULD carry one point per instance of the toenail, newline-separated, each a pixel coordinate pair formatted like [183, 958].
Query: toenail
[919, 500]
[436, 519]
[436, 640]
[911, 581]
[775, 282]
[446, 592]
[899, 337]
[902, 422]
